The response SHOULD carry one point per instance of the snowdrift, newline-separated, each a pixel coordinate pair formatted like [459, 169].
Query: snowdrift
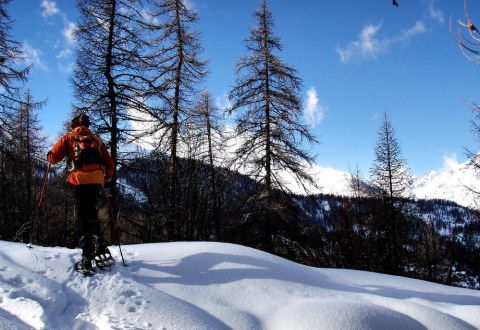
[216, 286]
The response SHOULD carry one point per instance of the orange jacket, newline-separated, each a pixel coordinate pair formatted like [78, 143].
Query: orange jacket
[65, 148]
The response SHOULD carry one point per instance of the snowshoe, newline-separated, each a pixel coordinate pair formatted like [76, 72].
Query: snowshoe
[103, 259]
[85, 267]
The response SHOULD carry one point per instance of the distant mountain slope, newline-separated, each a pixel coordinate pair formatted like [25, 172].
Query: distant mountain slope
[450, 183]
[199, 285]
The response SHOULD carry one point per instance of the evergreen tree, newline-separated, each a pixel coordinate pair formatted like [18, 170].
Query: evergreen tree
[391, 181]
[208, 132]
[180, 72]
[390, 173]
[112, 75]
[468, 41]
[12, 74]
[268, 125]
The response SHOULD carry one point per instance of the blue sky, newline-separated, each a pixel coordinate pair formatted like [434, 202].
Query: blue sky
[358, 59]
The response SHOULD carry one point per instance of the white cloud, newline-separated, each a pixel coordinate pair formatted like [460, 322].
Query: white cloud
[435, 13]
[32, 57]
[65, 53]
[314, 110]
[450, 162]
[366, 46]
[408, 34]
[49, 8]
[369, 46]
[68, 32]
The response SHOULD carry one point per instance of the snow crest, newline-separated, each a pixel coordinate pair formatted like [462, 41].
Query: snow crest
[201, 285]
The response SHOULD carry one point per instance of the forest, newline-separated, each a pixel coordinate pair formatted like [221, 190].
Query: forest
[138, 75]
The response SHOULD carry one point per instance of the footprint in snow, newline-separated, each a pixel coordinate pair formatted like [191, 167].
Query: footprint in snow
[128, 293]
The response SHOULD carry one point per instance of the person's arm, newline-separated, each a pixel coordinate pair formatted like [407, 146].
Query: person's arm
[58, 151]
[107, 161]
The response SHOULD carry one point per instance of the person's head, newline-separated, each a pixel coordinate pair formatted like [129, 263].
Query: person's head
[81, 120]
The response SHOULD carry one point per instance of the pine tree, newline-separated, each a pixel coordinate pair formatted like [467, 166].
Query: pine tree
[208, 133]
[468, 41]
[391, 181]
[180, 72]
[112, 72]
[390, 173]
[269, 124]
[12, 75]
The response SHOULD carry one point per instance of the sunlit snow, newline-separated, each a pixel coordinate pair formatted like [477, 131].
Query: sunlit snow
[216, 286]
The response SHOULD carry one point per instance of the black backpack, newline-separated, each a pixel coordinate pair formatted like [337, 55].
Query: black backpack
[87, 154]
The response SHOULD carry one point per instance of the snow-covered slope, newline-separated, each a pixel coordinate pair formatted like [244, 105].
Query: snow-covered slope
[216, 286]
[453, 182]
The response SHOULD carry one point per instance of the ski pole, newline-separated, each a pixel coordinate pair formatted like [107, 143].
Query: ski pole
[41, 199]
[112, 224]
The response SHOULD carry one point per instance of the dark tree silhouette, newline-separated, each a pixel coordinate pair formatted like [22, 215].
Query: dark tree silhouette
[269, 123]
[391, 181]
[180, 72]
[12, 74]
[269, 126]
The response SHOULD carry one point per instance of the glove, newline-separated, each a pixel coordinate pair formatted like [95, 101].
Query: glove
[108, 182]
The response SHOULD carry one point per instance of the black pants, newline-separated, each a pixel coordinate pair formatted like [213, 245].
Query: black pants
[86, 219]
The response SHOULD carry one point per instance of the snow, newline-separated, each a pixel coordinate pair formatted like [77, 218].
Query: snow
[454, 182]
[200, 285]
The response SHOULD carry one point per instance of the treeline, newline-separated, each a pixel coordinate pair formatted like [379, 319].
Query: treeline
[439, 239]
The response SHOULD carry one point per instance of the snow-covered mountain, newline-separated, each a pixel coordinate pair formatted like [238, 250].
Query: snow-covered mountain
[453, 182]
[216, 286]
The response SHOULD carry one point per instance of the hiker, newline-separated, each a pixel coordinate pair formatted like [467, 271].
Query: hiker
[90, 166]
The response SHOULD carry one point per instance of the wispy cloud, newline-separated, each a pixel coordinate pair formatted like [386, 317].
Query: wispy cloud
[49, 8]
[33, 56]
[408, 34]
[450, 161]
[68, 32]
[65, 53]
[366, 46]
[314, 110]
[435, 13]
[369, 45]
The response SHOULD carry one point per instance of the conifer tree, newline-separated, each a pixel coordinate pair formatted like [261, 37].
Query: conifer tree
[390, 173]
[12, 74]
[112, 71]
[391, 181]
[468, 40]
[180, 72]
[269, 121]
[208, 132]
[268, 124]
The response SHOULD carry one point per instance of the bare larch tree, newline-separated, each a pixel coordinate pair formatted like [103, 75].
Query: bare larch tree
[269, 124]
[13, 74]
[208, 132]
[111, 72]
[180, 73]
[468, 40]
[391, 180]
